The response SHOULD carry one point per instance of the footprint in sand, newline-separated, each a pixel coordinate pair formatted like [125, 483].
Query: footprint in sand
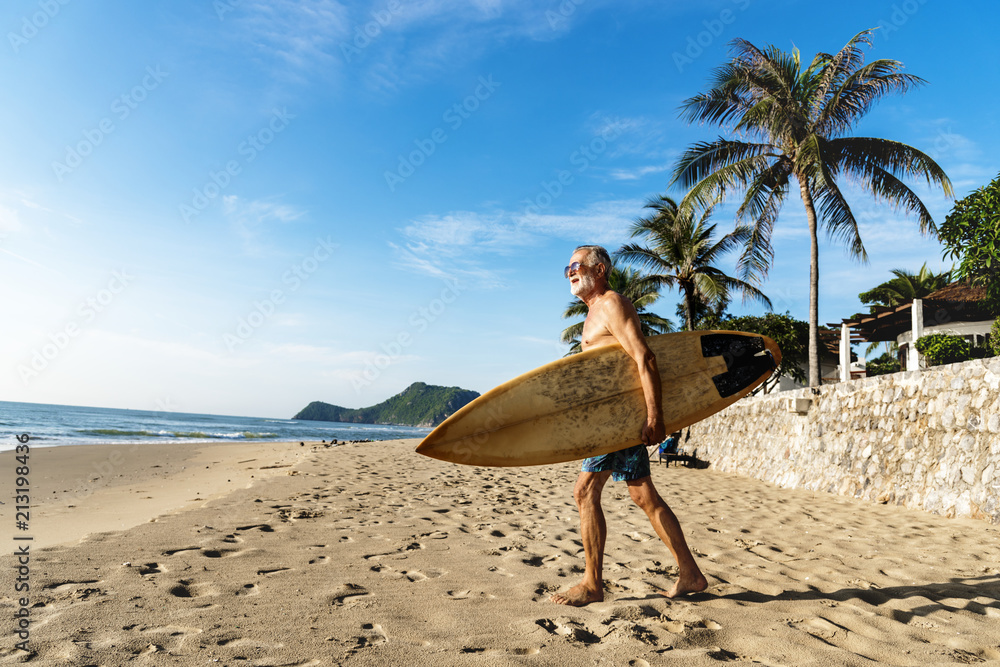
[347, 593]
[539, 561]
[244, 641]
[262, 527]
[171, 552]
[224, 553]
[436, 535]
[572, 630]
[372, 634]
[638, 537]
[66, 586]
[676, 627]
[175, 636]
[320, 560]
[628, 631]
[147, 569]
[273, 570]
[185, 588]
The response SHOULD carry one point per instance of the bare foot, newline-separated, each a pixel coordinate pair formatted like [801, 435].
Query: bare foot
[685, 585]
[578, 596]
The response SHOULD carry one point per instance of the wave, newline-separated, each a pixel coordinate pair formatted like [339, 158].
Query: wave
[200, 435]
[245, 435]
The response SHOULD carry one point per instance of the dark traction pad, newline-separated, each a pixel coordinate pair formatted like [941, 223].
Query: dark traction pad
[744, 361]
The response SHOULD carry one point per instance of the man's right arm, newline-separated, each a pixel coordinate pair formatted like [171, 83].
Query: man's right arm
[623, 322]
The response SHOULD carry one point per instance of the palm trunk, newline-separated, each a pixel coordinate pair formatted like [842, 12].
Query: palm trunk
[814, 370]
[689, 306]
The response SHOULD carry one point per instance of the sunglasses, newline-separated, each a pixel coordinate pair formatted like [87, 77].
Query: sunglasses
[573, 268]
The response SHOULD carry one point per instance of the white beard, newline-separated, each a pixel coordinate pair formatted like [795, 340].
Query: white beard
[585, 285]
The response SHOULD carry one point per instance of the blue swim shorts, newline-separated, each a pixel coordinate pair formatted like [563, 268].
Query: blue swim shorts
[625, 465]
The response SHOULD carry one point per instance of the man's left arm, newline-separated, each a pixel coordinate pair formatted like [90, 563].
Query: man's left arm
[623, 322]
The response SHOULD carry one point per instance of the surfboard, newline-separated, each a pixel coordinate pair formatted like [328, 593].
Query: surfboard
[592, 403]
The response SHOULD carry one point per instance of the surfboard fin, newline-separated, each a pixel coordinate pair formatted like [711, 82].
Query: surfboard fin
[746, 360]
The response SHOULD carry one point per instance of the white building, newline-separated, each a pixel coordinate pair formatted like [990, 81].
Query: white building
[957, 309]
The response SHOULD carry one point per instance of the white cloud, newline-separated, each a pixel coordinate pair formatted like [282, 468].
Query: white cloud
[423, 38]
[462, 244]
[299, 35]
[637, 172]
[251, 219]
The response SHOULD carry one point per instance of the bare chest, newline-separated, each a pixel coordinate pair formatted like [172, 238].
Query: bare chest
[595, 332]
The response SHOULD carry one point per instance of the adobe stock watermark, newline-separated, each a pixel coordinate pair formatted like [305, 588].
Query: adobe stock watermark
[565, 9]
[121, 108]
[30, 25]
[365, 34]
[223, 7]
[419, 321]
[580, 159]
[944, 142]
[696, 44]
[87, 311]
[248, 150]
[293, 279]
[454, 116]
[901, 13]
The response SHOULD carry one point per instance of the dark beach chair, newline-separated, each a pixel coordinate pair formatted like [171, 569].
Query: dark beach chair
[669, 451]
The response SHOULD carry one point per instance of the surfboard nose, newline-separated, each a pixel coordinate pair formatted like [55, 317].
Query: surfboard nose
[747, 357]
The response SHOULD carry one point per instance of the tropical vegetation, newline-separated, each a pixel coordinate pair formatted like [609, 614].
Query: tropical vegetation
[679, 252]
[971, 234]
[791, 122]
[419, 404]
[944, 349]
[902, 288]
[905, 287]
[993, 341]
[882, 365]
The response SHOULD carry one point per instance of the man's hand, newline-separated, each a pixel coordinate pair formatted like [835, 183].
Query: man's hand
[653, 431]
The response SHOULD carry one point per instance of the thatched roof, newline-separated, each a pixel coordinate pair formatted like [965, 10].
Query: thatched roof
[959, 292]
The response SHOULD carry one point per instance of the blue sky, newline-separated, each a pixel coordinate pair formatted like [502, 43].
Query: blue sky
[238, 207]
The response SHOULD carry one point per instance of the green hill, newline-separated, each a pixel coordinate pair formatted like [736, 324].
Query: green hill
[418, 405]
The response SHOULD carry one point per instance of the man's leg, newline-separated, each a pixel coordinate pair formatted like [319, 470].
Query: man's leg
[689, 577]
[593, 533]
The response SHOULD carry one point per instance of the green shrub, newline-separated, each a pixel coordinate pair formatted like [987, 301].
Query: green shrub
[994, 342]
[882, 366]
[944, 349]
[982, 352]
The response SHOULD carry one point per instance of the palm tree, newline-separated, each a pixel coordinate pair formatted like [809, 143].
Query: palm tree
[680, 252]
[795, 120]
[905, 287]
[630, 284]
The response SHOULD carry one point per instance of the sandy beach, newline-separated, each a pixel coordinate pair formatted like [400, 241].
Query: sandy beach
[368, 554]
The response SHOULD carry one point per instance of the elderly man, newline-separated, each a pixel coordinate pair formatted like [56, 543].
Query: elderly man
[612, 319]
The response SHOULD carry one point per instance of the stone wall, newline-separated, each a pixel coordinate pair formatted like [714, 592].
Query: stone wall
[924, 439]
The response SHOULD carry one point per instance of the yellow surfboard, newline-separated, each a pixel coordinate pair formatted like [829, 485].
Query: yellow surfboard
[592, 403]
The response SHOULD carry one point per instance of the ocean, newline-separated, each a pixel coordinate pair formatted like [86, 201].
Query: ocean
[57, 425]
